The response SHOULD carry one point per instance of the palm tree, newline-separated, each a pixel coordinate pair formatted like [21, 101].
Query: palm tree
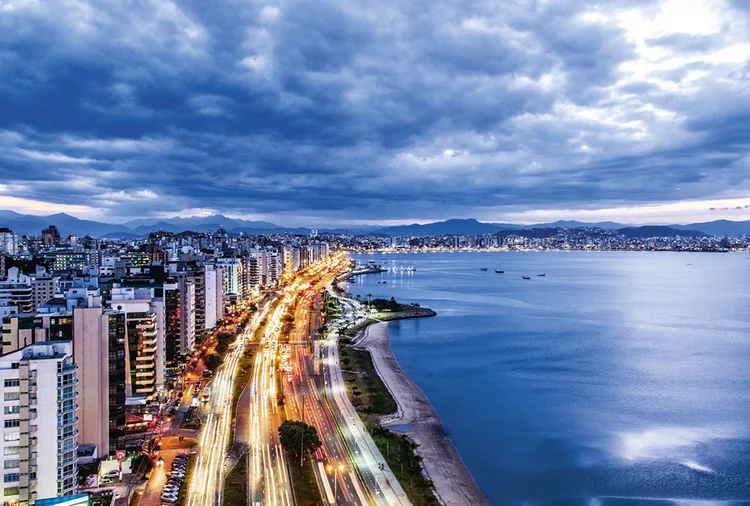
[369, 300]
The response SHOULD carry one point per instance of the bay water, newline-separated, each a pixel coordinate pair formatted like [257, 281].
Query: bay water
[617, 378]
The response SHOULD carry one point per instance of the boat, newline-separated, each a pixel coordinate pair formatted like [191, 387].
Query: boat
[541, 275]
[499, 270]
[483, 268]
[526, 277]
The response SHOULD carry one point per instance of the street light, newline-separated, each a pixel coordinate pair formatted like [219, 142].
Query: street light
[335, 480]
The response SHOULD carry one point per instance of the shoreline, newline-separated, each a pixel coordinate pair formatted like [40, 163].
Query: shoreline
[442, 464]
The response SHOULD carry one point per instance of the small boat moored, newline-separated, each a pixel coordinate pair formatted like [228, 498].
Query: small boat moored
[526, 277]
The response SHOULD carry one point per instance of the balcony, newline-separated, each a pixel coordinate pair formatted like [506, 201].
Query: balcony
[64, 397]
[72, 434]
[60, 407]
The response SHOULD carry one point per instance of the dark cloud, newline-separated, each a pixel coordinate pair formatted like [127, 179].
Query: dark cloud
[362, 112]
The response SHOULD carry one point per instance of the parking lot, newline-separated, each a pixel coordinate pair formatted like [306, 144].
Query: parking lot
[152, 496]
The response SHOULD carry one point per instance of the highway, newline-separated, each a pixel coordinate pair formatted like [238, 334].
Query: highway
[268, 476]
[316, 395]
[207, 483]
[348, 466]
[306, 403]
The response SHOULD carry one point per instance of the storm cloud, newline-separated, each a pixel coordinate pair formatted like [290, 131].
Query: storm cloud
[345, 112]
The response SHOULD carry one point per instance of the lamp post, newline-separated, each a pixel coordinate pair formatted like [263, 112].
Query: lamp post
[335, 476]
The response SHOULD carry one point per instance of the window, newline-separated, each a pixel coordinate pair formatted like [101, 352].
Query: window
[12, 410]
[9, 424]
[11, 450]
[11, 477]
[11, 491]
[12, 464]
[13, 382]
[12, 396]
[14, 365]
[11, 436]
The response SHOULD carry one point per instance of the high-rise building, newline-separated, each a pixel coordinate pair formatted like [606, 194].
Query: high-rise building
[232, 268]
[179, 307]
[15, 290]
[214, 295]
[51, 236]
[99, 351]
[43, 288]
[144, 350]
[39, 422]
[8, 242]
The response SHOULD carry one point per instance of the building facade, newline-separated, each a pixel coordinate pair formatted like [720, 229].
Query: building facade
[15, 290]
[144, 347]
[8, 242]
[39, 422]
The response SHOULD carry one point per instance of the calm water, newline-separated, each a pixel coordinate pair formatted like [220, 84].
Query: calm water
[617, 379]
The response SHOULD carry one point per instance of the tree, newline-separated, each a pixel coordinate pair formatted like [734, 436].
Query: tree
[213, 361]
[298, 437]
[223, 340]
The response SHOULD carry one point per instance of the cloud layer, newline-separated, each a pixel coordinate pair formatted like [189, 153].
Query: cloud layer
[337, 111]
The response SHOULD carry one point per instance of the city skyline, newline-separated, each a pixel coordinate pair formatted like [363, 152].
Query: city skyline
[318, 116]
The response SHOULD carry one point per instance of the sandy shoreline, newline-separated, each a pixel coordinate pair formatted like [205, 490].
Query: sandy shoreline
[442, 463]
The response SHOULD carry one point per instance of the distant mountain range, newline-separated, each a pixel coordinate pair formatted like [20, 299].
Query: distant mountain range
[474, 227]
[24, 224]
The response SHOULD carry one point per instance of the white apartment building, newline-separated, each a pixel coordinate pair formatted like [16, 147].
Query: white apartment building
[8, 242]
[15, 290]
[268, 267]
[232, 268]
[39, 423]
[214, 294]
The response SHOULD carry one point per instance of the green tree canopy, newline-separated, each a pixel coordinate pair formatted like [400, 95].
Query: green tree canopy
[213, 361]
[298, 436]
[385, 305]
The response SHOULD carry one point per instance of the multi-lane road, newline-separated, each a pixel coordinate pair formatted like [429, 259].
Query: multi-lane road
[306, 403]
[207, 483]
[268, 475]
[317, 395]
[305, 371]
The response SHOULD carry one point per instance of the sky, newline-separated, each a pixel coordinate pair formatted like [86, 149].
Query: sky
[336, 112]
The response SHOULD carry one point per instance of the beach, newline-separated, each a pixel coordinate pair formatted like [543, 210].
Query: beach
[442, 463]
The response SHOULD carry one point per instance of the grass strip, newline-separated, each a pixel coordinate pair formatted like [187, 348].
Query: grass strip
[235, 485]
[372, 399]
[306, 489]
[366, 390]
[244, 374]
[399, 452]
